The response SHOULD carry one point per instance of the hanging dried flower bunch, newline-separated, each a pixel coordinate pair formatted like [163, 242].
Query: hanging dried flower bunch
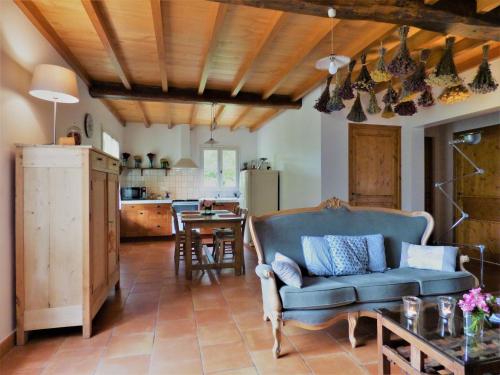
[388, 112]
[402, 64]
[483, 82]
[426, 99]
[380, 73]
[324, 98]
[345, 91]
[406, 96]
[373, 107]
[391, 96]
[454, 94]
[357, 114]
[416, 82]
[445, 73]
[335, 103]
[407, 108]
[364, 82]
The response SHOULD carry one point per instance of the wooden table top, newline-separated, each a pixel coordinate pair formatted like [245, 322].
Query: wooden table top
[216, 216]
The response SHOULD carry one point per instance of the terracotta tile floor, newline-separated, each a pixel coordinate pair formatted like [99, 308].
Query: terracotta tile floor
[162, 324]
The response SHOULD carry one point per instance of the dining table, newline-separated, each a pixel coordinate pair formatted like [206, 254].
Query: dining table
[214, 219]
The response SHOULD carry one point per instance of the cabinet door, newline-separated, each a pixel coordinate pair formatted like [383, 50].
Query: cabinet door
[98, 234]
[113, 232]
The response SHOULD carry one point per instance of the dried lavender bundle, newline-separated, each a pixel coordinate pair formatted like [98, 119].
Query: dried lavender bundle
[406, 108]
[357, 114]
[322, 101]
[483, 82]
[454, 94]
[364, 82]
[345, 91]
[391, 96]
[445, 73]
[402, 64]
[426, 99]
[335, 103]
[406, 96]
[388, 112]
[373, 107]
[380, 73]
[416, 82]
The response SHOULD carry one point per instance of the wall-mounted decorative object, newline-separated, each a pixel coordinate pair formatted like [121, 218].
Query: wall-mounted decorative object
[76, 133]
[137, 161]
[454, 94]
[416, 82]
[125, 156]
[426, 99]
[88, 123]
[364, 82]
[388, 112]
[445, 72]
[373, 107]
[324, 97]
[390, 96]
[164, 163]
[346, 91]
[151, 158]
[335, 103]
[357, 114]
[402, 64]
[483, 82]
[407, 108]
[380, 73]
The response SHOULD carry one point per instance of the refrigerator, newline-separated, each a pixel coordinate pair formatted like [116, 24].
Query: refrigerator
[259, 193]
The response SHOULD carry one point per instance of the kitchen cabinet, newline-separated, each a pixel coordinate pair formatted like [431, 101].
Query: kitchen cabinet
[67, 249]
[146, 220]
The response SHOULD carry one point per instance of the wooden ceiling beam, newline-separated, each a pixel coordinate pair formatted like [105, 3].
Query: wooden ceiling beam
[214, 34]
[144, 115]
[237, 123]
[97, 17]
[446, 16]
[111, 90]
[430, 2]
[277, 21]
[265, 119]
[157, 7]
[485, 6]
[303, 51]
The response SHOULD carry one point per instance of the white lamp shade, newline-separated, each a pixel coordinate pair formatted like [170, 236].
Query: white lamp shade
[331, 62]
[54, 83]
[185, 163]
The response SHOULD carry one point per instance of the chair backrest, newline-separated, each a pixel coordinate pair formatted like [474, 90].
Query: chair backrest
[176, 221]
[244, 213]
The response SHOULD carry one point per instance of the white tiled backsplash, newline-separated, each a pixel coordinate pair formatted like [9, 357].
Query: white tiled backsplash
[180, 183]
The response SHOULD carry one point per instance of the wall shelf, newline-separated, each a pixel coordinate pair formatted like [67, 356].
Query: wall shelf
[122, 168]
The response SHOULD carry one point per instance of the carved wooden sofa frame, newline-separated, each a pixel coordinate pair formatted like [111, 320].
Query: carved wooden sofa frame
[273, 308]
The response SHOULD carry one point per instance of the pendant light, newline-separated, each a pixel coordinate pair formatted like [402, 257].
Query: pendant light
[333, 62]
[213, 125]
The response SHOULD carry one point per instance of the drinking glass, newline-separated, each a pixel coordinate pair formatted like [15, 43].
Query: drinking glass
[411, 306]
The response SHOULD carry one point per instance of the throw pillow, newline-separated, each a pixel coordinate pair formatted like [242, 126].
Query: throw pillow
[376, 253]
[318, 256]
[287, 270]
[350, 254]
[438, 258]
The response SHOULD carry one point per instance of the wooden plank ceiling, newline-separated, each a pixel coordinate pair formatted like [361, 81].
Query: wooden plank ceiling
[167, 61]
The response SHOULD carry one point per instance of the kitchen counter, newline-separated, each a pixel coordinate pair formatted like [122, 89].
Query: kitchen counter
[147, 201]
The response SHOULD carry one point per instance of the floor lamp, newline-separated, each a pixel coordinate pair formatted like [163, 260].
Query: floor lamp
[55, 84]
[472, 138]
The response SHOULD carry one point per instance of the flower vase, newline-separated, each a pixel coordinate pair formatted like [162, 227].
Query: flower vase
[473, 324]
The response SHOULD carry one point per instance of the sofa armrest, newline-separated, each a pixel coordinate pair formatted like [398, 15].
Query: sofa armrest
[270, 295]
[465, 259]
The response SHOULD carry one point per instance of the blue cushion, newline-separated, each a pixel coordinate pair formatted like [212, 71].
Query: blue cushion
[350, 254]
[437, 258]
[318, 256]
[317, 293]
[287, 270]
[376, 253]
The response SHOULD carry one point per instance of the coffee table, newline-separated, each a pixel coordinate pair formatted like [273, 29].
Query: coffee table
[434, 345]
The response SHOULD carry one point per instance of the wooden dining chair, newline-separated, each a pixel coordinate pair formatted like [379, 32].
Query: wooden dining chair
[180, 243]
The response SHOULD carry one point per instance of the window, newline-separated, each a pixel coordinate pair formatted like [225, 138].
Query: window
[220, 168]
[110, 145]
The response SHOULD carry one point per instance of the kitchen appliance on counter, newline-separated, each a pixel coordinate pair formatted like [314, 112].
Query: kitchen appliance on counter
[133, 193]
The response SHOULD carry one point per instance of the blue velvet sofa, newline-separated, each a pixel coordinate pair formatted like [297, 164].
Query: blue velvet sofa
[322, 301]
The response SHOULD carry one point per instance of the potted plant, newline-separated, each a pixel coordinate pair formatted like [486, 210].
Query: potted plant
[151, 158]
[476, 307]
[207, 205]
[164, 163]
[137, 161]
[125, 156]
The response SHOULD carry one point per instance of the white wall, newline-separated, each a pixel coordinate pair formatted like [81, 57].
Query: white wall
[24, 119]
[292, 143]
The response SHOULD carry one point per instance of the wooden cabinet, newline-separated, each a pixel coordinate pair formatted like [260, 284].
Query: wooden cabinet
[146, 220]
[67, 249]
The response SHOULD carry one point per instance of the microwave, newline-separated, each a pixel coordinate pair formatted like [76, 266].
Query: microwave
[132, 193]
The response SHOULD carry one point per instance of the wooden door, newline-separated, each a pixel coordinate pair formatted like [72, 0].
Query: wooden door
[375, 165]
[98, 233]
[479, 195]
[113, 237]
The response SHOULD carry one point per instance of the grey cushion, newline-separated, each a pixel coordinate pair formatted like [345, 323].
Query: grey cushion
[283, 232]
[437, 282]
[385, 286]
[317, 293]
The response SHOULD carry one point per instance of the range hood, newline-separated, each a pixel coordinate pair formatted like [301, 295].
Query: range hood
[185, 161]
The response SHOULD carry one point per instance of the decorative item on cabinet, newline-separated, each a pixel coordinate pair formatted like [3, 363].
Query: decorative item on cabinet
[67, 247]
[164, 163]
[76, 133]
[137, 161]
[125, 156]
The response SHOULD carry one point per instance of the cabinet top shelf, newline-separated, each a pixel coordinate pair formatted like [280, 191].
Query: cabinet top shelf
[146, 169]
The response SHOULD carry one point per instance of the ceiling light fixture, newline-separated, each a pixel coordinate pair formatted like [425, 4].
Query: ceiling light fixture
[333, 62]
[213, 125]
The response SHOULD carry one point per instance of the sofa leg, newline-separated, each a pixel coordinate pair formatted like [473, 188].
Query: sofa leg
[352, 319]
[276, 323]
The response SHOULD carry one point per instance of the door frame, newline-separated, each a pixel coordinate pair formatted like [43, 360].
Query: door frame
[354, 126]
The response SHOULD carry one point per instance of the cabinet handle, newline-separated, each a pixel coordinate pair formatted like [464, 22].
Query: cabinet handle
[157, 226]
[114, 164]
[141, 213]
[99, 158]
